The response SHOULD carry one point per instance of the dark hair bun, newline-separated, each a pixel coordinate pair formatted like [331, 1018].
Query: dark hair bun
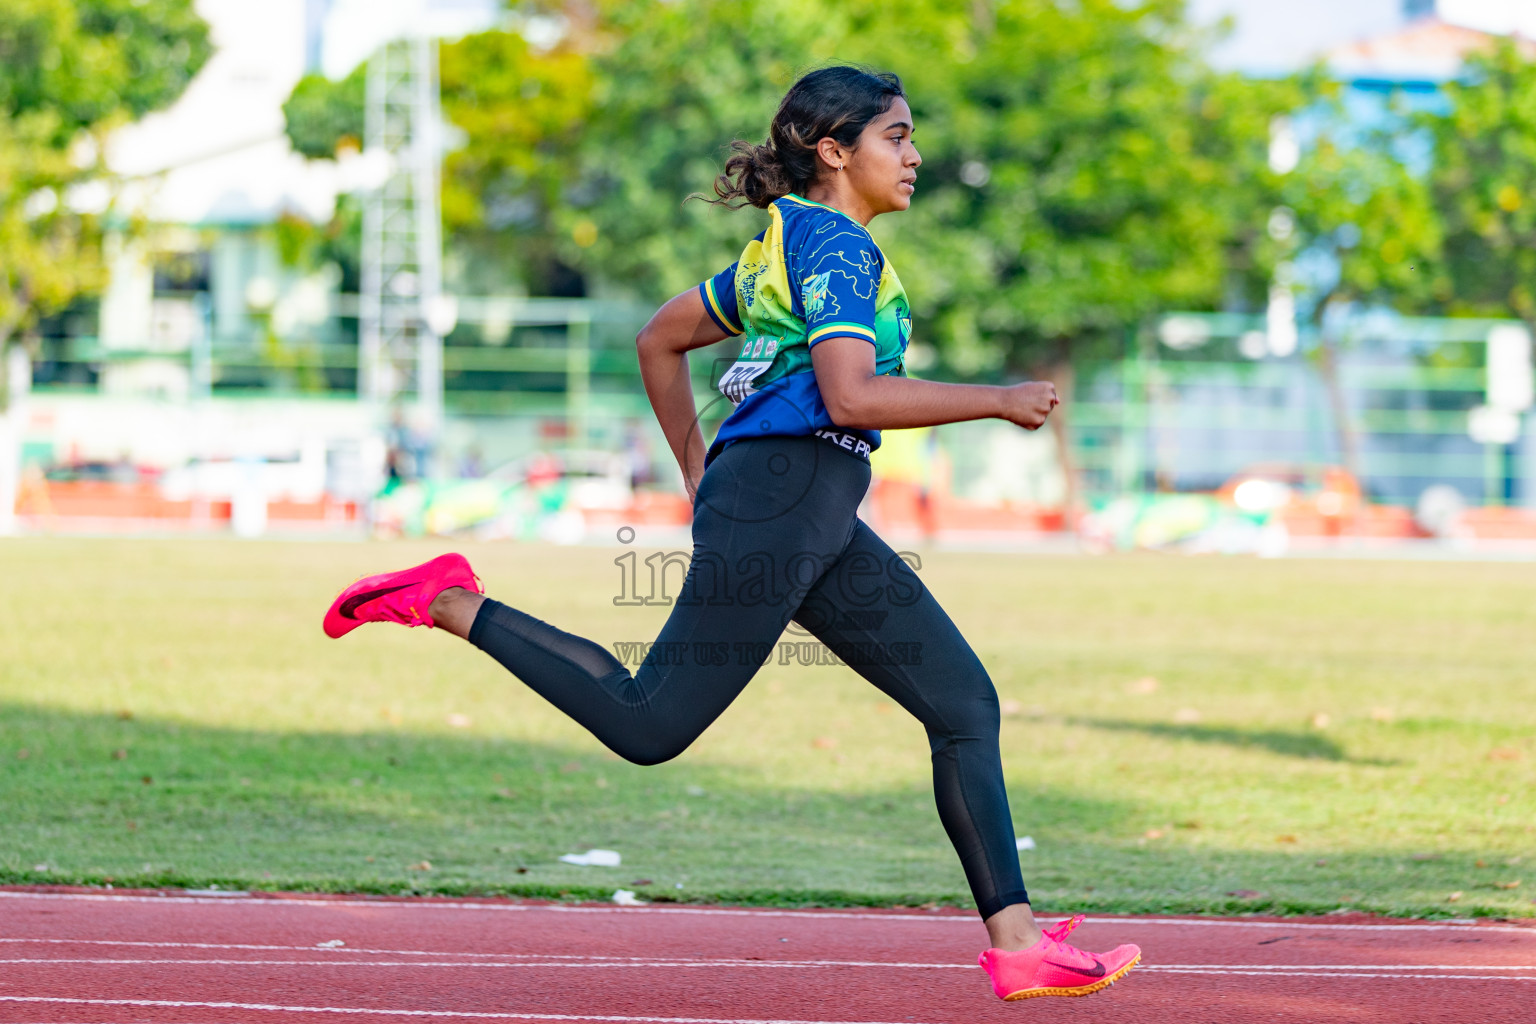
[836, 102]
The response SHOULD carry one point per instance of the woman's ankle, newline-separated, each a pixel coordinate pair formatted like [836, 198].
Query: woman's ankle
[455, 609]
[1013, 928]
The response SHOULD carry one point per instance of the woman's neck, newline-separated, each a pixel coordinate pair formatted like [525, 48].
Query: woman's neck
[843, 200]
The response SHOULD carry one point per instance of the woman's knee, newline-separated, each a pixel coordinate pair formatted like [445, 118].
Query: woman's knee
[972, 713]
[648, 751]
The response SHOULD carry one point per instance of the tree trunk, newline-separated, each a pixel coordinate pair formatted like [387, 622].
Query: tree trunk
[1343, 424]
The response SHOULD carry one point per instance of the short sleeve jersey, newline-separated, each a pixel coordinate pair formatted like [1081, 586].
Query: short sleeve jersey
[814, 274]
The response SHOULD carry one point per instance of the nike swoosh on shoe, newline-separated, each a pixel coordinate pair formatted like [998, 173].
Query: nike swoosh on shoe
[1097, 972]
[356, 601]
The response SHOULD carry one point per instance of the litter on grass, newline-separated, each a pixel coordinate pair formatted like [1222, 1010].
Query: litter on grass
[626, 898]
[594, 858]
[1025, 842]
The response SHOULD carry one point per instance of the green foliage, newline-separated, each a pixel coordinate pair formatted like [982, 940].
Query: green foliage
[1083, 170]
[1085, 129]
[507, 191]
[70, 70]
[1484, 183]
[1354, 201]
[320, 115]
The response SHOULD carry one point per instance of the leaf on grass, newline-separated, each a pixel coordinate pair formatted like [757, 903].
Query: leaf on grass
[1244, 894]
[824, 742]
[1507, 885]
[148, 780]
[1505, 754]
[1144, 685]
[1153, 833]
[1453, 897]
[569, 767]
[459, 721]
[1011, 708]
[425, 865]
[1287, 838]
[120, 754]
[1384, 715]
[1186, 716]
[1320, 720]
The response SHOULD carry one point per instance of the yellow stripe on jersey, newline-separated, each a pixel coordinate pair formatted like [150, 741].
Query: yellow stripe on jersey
[714, 302]
[851, 329]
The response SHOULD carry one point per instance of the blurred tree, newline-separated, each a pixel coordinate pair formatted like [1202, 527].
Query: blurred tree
[1484, 186]
[70, 71]
[1353, 224]
[322, 116]
[510, 191]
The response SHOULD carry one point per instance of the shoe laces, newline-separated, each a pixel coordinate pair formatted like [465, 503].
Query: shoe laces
[1058, 937]
[1060, 932]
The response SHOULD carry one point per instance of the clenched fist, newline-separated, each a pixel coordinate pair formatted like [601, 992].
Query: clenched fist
[1028, 404]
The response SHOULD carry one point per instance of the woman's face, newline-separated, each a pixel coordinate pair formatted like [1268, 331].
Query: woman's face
[882, 170]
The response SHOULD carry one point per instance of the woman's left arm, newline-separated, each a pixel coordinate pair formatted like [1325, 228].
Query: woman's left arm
[856, 397]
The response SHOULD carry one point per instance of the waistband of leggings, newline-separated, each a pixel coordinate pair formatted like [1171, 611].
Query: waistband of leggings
[843, 441]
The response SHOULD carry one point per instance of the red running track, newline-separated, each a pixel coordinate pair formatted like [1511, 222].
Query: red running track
[93, 957]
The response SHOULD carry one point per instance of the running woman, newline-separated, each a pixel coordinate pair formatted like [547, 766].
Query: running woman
[824, 325]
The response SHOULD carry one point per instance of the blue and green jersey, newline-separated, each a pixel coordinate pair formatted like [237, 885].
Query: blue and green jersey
[814, 274]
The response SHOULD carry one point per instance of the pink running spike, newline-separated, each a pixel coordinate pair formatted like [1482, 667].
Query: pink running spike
[403, 596]
[1051, 967]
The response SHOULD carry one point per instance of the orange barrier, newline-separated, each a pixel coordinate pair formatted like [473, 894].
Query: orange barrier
[50, 501]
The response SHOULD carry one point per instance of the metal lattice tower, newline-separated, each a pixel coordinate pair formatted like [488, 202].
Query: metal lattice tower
[399, 320]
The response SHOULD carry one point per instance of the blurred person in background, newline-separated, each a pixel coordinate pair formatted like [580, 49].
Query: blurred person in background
[824, 323]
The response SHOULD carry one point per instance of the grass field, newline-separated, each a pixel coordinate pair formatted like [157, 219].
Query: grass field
[1180, 734]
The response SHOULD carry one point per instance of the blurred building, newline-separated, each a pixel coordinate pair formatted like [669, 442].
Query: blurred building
[1422, 39]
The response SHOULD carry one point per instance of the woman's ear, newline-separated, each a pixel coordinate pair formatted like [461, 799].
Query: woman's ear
[832, 155]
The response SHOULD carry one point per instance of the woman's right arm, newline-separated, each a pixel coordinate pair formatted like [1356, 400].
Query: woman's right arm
[663, 345]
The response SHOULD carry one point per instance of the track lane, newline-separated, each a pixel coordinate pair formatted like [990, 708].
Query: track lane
[98, 958]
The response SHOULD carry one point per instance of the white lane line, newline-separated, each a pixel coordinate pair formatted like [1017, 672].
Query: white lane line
[473, 1014]
[575, 963]
[1342, 967]
[832, 915]
[1406, 973]
[334, 952]
[636, 963]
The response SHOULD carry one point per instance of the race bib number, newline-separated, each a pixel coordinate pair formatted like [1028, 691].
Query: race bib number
[736, 384]
[756, 357]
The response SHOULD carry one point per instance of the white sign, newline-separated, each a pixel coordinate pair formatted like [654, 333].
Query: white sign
[1509, 380]
[1489, 424]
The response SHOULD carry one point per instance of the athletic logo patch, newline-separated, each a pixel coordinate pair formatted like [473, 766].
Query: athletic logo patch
[356, 601]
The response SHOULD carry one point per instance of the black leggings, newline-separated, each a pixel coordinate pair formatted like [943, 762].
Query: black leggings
[776, 538]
